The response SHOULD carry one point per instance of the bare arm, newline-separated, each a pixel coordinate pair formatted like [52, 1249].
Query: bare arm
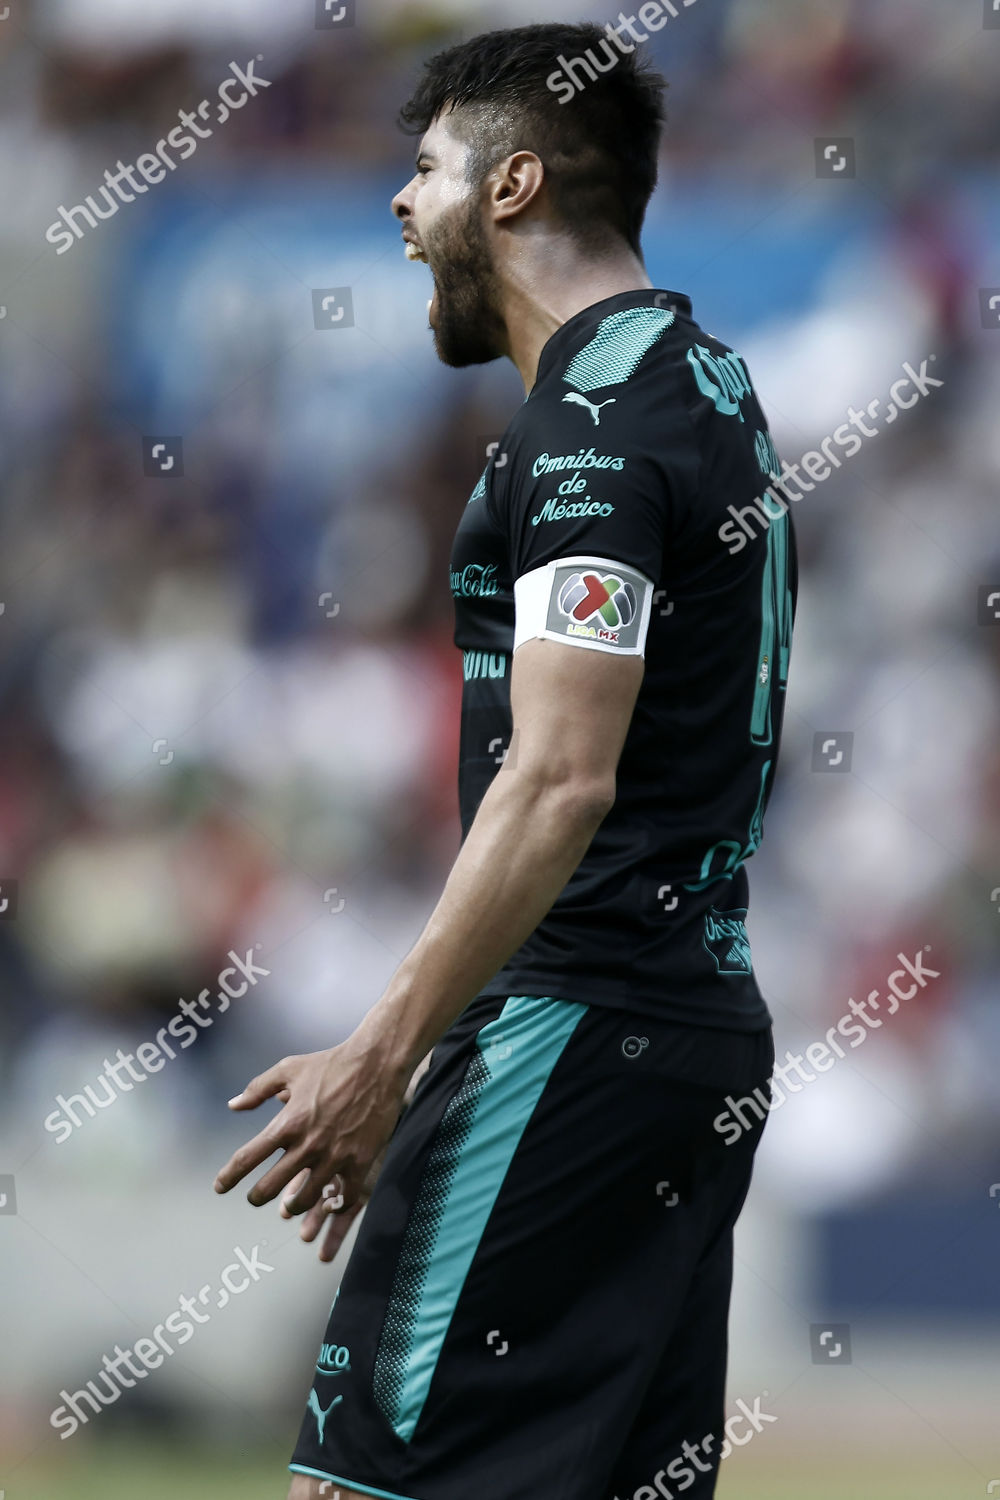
[571, 710]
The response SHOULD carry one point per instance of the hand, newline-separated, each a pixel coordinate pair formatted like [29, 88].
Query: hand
[330, 1209]
[341, 1107]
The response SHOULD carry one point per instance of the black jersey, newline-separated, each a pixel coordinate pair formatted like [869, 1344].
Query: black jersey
[606, 515]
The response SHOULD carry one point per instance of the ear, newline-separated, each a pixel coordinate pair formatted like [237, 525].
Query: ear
[513, 185]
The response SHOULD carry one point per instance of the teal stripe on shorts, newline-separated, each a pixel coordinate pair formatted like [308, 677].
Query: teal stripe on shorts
[473, 1148]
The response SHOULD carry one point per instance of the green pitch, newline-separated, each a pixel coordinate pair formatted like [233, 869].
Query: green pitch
[124, 1472]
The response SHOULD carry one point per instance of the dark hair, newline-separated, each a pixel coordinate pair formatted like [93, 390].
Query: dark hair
[599, 147]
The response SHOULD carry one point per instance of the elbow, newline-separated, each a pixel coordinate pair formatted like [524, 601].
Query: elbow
[582, 804]
[577, 796]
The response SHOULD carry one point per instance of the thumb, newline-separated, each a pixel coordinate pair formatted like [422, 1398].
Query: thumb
[275, 1081]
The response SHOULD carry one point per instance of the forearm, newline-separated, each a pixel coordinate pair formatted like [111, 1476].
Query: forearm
[524, 844]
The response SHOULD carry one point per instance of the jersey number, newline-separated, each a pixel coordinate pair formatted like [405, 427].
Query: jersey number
[772, 669]
[775, 631]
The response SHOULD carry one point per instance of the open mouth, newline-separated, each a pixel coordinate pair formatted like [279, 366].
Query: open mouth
[413, 251]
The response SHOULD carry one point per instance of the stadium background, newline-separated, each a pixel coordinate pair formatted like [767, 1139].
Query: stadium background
[229, 693]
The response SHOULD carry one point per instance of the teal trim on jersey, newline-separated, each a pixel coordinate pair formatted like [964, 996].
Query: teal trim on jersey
[614, 352]
[475, 1143]
[757, 821]
[734, 858]
[784, 610]
[349, 1484]
[738, 854]
[760, 714]
[775, 630]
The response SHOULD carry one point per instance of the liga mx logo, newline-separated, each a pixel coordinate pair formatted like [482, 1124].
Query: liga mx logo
[604, 599]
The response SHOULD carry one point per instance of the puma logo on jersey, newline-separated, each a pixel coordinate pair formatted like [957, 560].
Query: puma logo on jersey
[595, 411]
[319, 1413]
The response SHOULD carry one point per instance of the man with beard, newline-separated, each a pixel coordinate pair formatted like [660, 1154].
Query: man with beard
[537, 1300]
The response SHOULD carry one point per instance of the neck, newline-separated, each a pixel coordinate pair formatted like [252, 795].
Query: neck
[544, 284]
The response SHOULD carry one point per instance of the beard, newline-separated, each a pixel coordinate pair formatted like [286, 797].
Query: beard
[468, 328]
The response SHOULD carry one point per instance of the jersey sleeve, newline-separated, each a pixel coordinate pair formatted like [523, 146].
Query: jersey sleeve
[588, 509]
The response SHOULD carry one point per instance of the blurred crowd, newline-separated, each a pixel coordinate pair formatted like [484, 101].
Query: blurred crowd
[229, 690]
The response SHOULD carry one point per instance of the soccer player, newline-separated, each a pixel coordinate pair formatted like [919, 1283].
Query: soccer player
[537, 1300]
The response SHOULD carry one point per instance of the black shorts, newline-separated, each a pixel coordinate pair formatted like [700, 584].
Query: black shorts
[537, 1300]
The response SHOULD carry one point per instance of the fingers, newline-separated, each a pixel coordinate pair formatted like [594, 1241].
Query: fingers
[337, 1230]
[281, 1174]
[296, 1182]
[249, 1156]
[276, 1080]
[314, 1219]
[319, 1185]
[331, 1211]
[293, 1168]
[311, 1223]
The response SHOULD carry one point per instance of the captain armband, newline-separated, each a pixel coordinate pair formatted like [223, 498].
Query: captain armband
[585, 601]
